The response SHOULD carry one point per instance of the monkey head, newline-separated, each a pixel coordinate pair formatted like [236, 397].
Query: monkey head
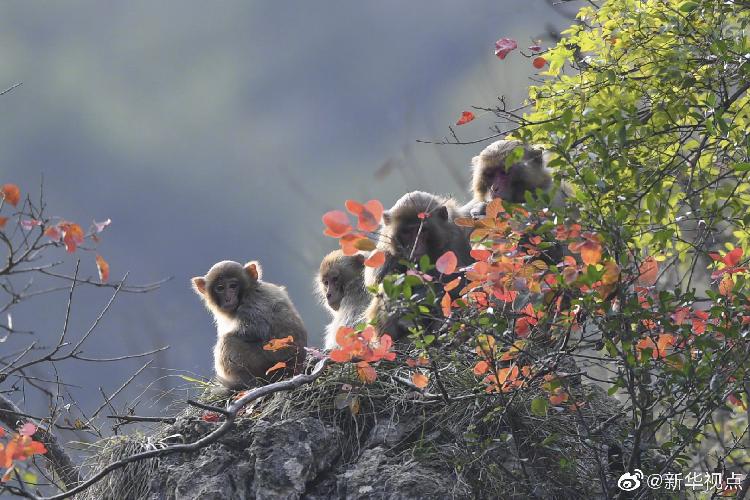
[225, 284]
[493, 179]
[336, 272]
[419, 224]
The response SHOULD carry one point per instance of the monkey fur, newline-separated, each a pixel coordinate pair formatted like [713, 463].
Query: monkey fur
[340, 287]
[248, 313]
[406, 236]
[492, 179]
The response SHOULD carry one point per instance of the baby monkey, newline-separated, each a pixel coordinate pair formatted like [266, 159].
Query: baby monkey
[248, 313]
[341, 288]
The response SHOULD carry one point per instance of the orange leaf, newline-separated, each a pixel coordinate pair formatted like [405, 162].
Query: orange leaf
[447, 263]
[445, 304]
[278, 344]
[481, 367]
[337, 223]
[558, 399]
[340, 356]
[345, 336]
[277, 366]
[466, 117]
[591, 252]
[649, 272]
[420, 380]
[103, 268]
[11, 193]
[494, 208]
[375, 260]
[726, 285]
[72, 235]
[452, 284]
[351, 242]
[365, 372]
[369, 214]
[3, 220]
[539, 62]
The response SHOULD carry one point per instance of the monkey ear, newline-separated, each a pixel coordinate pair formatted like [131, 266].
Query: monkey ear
[254, 270]
[199, 285]
[387, 217]
[442, 212]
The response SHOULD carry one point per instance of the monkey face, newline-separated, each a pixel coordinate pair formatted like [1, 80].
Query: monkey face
[417, 237]
[334, 289]
[227, 293]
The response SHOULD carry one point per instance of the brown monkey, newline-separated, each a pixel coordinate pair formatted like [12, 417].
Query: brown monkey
[492, 179]
[418, 224]
[248, 313]
[340, 286]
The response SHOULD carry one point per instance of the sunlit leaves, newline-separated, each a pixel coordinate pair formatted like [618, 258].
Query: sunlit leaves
[466, 117]
[362, 347]
[10, 193]
[504, 46]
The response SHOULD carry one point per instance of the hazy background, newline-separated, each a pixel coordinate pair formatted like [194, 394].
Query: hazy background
[224, 130]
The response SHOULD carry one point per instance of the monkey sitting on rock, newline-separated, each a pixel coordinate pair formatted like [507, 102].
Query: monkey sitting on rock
[248, 313]
[340, 286]
[418, 224]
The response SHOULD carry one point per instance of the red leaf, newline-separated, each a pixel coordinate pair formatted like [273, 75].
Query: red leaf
[375, 260]
[539, 62]
[277, 366]
[466, 117]
[337, 223]
[504, 46]
[210, 416]
[3, 220]
[733, 258]
[369, 214]
[11, 193]
[423, 215]
[420, 380]
[535, 48]
[53, 233]
[447, 263]
[103, 268]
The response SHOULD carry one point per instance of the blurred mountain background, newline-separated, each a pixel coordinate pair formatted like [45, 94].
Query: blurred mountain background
[224, 130]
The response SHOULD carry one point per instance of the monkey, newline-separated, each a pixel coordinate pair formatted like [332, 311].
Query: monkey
[248, 313]
[492, 179]
[418, 224]
[340, 286]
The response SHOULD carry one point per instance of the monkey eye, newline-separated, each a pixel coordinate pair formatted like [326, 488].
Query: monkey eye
[325, 282]
[219, 287]
[233, 286]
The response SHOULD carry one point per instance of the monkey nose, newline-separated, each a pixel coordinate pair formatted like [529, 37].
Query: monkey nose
[329, 295]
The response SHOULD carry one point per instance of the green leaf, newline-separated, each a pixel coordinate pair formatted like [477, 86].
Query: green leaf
[539, 406]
